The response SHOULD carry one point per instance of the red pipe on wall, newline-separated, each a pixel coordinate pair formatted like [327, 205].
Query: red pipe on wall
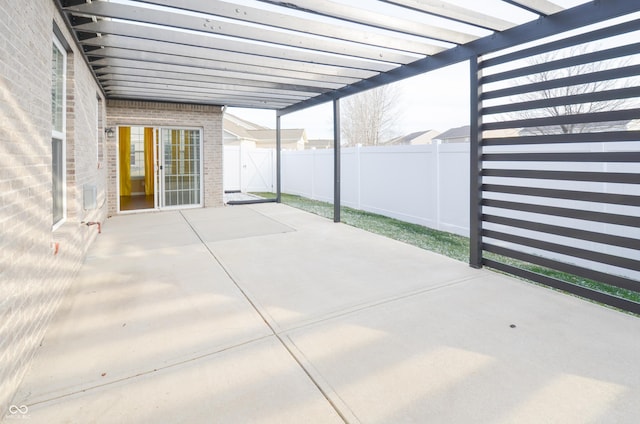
[95, 223]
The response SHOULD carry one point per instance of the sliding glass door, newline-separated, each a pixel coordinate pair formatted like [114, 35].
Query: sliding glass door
[180, 169]
[159, 168]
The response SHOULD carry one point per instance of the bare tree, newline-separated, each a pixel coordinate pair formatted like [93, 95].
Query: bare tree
[567, 91]
[368, 118]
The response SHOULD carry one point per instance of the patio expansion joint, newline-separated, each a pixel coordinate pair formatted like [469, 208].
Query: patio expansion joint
[149, 372]
[270, 218]
[275, 333]
[373, 304]
[317, 375]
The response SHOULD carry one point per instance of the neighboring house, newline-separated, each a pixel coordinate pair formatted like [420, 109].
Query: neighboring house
[325, 143]
[454, 135]
[414, 139]
[463, 134]
[240, 132]
[509, 132]
[236, 131]
[589, 127]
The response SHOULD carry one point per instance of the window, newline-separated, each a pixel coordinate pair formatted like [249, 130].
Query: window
[137, 152]
[58, 106]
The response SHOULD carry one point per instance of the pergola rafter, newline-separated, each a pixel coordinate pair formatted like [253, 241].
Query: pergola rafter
[337, 48]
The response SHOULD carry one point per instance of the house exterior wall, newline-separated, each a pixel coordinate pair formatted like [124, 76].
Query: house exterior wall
[155, 114]
[37, 263]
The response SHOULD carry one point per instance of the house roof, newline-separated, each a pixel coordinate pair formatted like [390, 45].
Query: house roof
[243, 123]
[464, 131]
[406, 139]
[291, 55]
[247, 130]
[239, 127]
[587, 127]
[454, 133]
[286, 135]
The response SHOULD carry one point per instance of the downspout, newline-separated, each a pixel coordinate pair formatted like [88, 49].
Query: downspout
[278, 159]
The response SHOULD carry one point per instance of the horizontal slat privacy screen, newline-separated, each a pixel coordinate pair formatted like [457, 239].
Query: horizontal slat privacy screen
[559, 163]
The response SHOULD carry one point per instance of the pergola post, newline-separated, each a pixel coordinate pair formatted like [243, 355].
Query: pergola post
[336, 160]
[475, 165]
[278, 159]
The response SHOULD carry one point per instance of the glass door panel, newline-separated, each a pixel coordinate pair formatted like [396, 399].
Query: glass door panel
[137, 165]
[180, 158]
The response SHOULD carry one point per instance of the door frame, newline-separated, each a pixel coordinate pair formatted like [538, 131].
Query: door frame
[160, 164]
[158, 154]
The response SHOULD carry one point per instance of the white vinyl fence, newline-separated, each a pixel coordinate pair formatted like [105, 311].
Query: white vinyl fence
[427, 185]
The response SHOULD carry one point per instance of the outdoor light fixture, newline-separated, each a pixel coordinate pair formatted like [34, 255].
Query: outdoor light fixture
[109, 132]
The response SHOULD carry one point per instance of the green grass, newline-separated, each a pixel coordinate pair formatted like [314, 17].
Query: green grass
[451, 245]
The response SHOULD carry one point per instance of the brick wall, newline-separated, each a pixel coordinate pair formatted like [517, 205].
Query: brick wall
[33, 278]
[156, 114]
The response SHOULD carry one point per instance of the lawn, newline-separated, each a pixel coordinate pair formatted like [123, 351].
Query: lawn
[451, 245]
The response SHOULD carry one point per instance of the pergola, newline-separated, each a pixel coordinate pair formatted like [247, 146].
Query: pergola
[291, 55]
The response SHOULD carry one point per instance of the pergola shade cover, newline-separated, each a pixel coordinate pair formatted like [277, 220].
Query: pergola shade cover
[279, 55]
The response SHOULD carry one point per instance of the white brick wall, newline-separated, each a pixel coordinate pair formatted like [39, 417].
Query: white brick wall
[152, 114]
[32, 278]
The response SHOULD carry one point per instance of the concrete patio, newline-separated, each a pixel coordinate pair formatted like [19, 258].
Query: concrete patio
[268, 314]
